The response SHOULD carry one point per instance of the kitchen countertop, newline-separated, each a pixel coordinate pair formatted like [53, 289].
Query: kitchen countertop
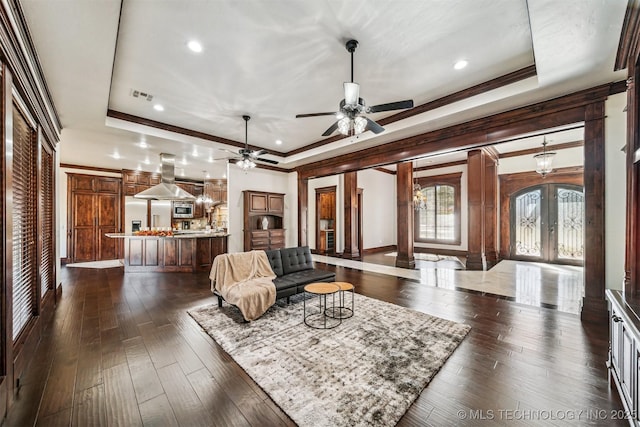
[179, 235]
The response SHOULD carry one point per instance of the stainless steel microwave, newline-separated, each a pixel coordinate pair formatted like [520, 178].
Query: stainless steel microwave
[183, 209]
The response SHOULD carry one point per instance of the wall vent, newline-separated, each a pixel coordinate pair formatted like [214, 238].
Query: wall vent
[141, 95]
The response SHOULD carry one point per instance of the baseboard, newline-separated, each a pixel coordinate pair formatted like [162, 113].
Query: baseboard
[64, 261]
[450, 252]
[388, 248]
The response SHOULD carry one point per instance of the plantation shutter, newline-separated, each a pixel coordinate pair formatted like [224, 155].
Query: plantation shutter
[46, 227]
[24, 222]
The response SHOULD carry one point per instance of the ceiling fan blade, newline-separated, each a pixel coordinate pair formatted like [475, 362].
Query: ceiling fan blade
[273, 162]
[400, 105]
[225, 158]
[351, 93]
[257, 153]
[331, 129]
[373, 126]
[299, 116]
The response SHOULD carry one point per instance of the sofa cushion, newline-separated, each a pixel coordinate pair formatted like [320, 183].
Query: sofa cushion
[305, 277]
[275, 260]
[296, 259]
[284, 283]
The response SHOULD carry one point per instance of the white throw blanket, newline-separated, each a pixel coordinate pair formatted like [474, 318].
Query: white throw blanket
[244, 279]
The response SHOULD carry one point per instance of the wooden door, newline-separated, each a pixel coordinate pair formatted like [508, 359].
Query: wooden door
[83, 234]
[547, 224]
[94, 210]
[108, 210]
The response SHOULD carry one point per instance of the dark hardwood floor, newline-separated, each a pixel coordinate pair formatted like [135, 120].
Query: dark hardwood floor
[122, 351]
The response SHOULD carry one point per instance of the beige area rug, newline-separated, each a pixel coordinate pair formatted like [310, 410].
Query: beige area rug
[98, 264]
[365, 372]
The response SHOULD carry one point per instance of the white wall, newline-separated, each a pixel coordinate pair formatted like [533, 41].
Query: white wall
[615, 189]
[258, 180]
[61, 218]
[464, 208]
[379, 219]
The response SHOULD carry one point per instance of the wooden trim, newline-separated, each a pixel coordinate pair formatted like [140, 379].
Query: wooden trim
[475, 206]
[629, 37]
[89, 168]
[439, 251]
[303, 208]
[6, 331]
[384, 170]
[183, 131]
[478, 89]
[618, 87]
[452, 180]
[441, 165]
[483, 132]
[563, 146]
[4, 251]
[319, 192]
[376, 250]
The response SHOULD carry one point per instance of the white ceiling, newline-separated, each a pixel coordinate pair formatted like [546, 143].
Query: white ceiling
[275, 59]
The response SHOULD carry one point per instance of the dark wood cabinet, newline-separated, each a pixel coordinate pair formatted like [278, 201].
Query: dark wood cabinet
[94, 210]
[133, 182]
[168, 254]
[216, 189]
[260, 209]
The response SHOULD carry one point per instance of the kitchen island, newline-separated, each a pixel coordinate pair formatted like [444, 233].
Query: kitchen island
[184, 252]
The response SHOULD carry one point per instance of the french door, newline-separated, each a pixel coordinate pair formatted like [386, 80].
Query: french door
[547, 224]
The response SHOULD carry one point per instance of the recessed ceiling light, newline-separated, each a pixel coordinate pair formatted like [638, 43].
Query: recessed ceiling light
[143, 144]
[139, 167]
[278, 142]
[460, 64]
[194, 46]
[194, 153]
[184, 160]
[146, 161]
[158, 107]
[115, 155]
[224, 175]
[210, 160]
[207, 176]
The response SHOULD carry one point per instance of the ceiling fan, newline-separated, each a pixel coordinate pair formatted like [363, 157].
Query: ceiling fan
[352, 107]
[245, 157]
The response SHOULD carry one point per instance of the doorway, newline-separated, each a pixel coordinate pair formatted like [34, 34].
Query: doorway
[326, 220]
[547, 224]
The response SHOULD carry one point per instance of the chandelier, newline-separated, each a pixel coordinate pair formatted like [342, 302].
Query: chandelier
[544, 160]
[419, 198]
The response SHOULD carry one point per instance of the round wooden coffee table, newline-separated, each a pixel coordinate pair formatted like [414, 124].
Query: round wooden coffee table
[341, 311]
[319, 319]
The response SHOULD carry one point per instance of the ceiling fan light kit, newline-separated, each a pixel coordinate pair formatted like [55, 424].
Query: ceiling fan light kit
[246, 158]
[350, 119]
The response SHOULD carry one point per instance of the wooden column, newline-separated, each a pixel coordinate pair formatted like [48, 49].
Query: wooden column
[594, 306]
[476, 217]
[303, 208]
[491, 204]
[351, 250]
[404, 185]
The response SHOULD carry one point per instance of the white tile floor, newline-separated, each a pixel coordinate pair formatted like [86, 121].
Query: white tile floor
[542, 285]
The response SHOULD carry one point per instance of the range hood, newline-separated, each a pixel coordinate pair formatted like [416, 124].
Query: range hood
[167, 189]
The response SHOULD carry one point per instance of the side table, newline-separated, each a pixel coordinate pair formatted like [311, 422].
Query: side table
[323, 321]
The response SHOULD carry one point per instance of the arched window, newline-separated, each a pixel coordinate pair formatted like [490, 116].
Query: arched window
[439, 222]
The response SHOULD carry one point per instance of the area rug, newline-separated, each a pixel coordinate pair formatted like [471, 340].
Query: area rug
[367, 371]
